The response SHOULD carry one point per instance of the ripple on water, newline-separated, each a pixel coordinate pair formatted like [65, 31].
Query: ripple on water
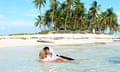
[88, 58]
[114, 60]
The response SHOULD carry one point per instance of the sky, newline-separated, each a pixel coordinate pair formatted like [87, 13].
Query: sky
[18, 16]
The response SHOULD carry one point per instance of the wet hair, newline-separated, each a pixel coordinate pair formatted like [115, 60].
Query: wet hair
[46, 48]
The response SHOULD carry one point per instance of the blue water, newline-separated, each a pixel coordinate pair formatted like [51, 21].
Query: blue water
[89, 58]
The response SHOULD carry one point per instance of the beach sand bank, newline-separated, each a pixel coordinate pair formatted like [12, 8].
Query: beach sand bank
[54, 39]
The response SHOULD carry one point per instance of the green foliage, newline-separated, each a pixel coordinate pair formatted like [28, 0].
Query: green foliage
[72, 15]
[73, 29]
[44, 32]
[17, 34]
[39, 3]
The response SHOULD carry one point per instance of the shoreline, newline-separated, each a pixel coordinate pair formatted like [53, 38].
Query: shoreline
[55, 39]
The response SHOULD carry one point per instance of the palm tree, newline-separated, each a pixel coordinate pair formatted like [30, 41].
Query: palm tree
[69, 5]
[63, 9]
[112, 20]
[48, 19]
[54, 5]
[71, 14]
[59, 20]
[38, 4]
[93, 14]
[102, 22]
[79, 13]
[39, 22]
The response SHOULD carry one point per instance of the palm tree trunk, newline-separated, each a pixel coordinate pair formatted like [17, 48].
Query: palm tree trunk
[52, 18]
[66, 20]
[75, 21]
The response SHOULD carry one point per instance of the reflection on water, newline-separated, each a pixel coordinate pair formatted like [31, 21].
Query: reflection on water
[89, 58]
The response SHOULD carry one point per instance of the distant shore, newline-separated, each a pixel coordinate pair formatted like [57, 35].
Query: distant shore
[55, 39]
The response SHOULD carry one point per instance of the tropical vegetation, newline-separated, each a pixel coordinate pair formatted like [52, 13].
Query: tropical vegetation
[72, 15]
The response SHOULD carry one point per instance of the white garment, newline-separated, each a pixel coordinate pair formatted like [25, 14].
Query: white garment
[50, 58]
[53, 53]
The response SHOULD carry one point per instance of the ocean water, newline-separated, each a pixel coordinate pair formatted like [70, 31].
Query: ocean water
[88, 58]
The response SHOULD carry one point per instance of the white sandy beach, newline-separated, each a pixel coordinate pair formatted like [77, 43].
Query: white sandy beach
[54, 39]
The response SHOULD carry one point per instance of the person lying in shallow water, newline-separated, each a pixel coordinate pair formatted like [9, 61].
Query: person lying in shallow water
[48, 56]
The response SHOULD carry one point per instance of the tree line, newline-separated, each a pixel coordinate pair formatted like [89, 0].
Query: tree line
[72, 15]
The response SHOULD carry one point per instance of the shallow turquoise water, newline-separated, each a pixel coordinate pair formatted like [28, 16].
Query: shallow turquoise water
[89, 58]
